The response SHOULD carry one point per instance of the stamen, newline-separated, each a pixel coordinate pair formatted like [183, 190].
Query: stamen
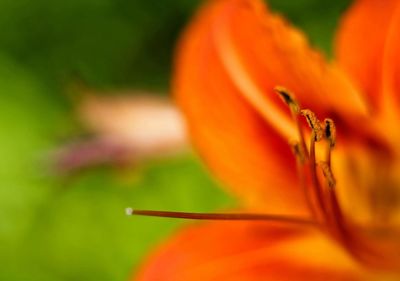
[330, 131]
[330, 136]
[314, 178]
[220, 216]
[336, 223]
[314, 123]
[287, 97]
[326, 170]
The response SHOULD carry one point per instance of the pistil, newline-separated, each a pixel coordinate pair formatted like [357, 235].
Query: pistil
[221, 216]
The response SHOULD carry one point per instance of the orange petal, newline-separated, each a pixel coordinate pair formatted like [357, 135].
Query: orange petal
[361, 41]
[228, 62]
[248, 251]
[260, 49]
[232, 136]
[391, 74]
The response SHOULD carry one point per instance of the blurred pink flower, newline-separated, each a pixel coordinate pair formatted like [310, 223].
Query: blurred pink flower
[127, 127]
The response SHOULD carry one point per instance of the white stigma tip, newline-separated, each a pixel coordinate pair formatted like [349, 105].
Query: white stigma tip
[128, 211]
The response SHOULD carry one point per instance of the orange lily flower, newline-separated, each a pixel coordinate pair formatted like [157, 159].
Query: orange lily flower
[335, 213]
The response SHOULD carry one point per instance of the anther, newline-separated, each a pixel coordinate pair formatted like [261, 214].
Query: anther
[314, 124]
[287, 97]
[330, 131]
[327, 171]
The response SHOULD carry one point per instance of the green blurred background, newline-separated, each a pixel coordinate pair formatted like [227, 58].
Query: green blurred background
[74, 228]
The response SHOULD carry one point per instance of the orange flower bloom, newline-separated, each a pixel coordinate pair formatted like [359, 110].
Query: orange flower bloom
[230, 59]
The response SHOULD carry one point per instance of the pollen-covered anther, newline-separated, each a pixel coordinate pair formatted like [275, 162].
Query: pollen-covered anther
[327, 172]
[314, 124]
[288, 98]
[330, 131]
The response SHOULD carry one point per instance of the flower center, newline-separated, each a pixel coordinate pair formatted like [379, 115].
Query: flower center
[313, 158]
[320, 194]
[378, 249]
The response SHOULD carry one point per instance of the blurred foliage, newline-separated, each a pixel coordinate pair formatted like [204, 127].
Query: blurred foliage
[104, 42]
[317, 18]
[55, 228]
[108, 42]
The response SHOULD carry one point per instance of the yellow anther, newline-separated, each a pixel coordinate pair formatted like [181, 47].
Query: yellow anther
[326, 170]
[314, 124]
[330, 131]
[287, 97]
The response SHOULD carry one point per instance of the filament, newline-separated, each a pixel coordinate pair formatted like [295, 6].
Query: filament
[314, 179]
